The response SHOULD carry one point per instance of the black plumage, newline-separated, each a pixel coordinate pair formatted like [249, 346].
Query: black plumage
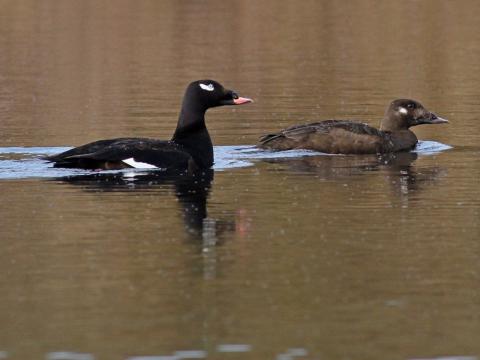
[189, 149]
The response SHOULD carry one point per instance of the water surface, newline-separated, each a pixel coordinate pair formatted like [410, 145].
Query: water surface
[302, 255]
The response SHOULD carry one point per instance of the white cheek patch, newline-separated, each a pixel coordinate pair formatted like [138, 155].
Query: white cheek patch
[138, 165]
[208, 87]
[403, 110]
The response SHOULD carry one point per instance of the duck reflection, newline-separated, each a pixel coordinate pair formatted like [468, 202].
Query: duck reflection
[192, 191]
[397, 168]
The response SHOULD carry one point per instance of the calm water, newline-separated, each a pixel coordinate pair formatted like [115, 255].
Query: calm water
[301, 257]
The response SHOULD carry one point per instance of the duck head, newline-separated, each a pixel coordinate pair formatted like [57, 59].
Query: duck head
[404, 113]
[204, 94]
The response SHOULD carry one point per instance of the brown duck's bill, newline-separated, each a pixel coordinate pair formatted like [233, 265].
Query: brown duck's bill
[436, 120]
[242, 100]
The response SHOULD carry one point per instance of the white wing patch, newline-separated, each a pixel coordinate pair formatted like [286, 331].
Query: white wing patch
[138, 165]
[208, 87]
[403, 110]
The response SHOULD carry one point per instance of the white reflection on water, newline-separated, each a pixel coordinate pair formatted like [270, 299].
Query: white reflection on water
[153, 357]
[196, 354]
[292, 353]
[24, 162]
[191, 354]
[449, 358]
[67, 355]
[234, 348]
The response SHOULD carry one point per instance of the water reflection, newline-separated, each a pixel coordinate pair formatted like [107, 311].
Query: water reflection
[68, 355]
[191, 190]
[397, 169]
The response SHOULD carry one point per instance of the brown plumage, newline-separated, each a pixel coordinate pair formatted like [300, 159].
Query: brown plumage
[348, 137]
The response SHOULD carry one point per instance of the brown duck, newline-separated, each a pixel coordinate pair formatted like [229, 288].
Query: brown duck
[349, 137]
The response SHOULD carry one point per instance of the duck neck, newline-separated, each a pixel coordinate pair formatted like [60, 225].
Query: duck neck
[403, 140]
[193, 135]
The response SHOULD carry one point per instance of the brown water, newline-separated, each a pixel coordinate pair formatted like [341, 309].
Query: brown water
[309, 257]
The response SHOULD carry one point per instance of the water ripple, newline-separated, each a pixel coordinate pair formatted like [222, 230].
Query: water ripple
[25, 162]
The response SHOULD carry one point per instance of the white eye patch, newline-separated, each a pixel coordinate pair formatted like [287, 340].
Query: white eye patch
[208, 87]
[403, 110]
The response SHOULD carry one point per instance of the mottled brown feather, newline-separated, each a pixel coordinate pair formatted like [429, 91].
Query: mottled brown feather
[330, 136]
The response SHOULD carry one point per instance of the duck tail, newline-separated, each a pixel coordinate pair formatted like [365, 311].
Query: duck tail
[265, 139]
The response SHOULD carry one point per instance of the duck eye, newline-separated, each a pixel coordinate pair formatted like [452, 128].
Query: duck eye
[411, 105]
[234, 95]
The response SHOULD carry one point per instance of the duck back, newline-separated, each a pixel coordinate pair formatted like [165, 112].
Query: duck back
[330, 136]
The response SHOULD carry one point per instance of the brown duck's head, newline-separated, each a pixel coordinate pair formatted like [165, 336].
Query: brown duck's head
[403, 113]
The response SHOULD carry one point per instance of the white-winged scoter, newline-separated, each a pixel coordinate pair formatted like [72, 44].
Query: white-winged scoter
[349, 137]
[189, 149]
